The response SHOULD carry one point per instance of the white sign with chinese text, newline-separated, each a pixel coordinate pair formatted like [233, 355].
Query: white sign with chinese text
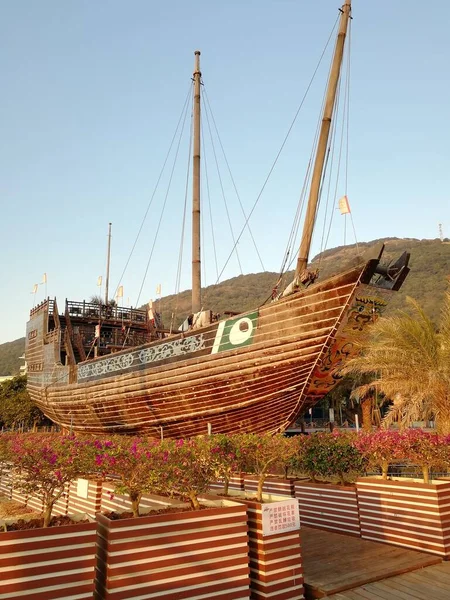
[280, 517]
[82, 488]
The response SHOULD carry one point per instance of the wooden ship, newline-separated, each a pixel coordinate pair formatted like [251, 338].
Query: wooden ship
[256, 372]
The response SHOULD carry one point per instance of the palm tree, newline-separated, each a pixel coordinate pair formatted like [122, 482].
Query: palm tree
[409, 361]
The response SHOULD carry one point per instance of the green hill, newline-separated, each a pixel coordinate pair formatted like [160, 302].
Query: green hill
[427, 283]
[9, 357]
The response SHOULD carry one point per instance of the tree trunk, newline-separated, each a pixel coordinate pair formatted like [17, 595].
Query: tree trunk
[259, 491]
[135, 498]
[48, 514]
[366, 409]
[226, 484]
[194, 500]
[426, 473]
[384, 469]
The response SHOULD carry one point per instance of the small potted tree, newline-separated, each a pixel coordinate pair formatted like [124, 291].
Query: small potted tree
[274, 526]
[263, 455]
[226, 453]
[43, 466]
[401, 510]
[188, 548]
[329, 501]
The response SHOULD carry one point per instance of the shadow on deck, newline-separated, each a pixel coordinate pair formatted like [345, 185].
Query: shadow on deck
[335, 563]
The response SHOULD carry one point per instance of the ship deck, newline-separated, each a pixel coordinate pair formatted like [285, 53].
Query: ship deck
[342, 567]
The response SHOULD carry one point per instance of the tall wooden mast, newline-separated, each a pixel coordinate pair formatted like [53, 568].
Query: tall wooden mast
[196, 264]
[108, 259]
[311, 211]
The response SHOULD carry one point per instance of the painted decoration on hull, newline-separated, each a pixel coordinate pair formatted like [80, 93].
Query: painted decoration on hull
[230, 334]
[366, 308]
[235, 333]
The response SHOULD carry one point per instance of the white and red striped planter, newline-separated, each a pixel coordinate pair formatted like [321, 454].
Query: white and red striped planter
[406, 512]
[120, 503]
[276, 569]
[329, 507]
[85, 496]
[177, 555]
[5, 482]
[236, 483]
[272, 485]
[52, 563]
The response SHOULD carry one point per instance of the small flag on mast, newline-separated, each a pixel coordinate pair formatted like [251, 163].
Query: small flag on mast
[97, 332]
[35, 288]
[344, 206]
[120, 292]
[44, 278]
[99, 280]
[158, 289]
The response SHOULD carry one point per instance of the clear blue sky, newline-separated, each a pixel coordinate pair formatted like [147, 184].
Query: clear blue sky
[92, 91]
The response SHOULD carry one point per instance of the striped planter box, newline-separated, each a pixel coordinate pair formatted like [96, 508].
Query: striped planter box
[59, 508]
[330, 507]
[112, 502]
[406, 513]
[272, 485]
[176, 555]
[18, 496]
[55, 563]
[276, 570]
[85, 496]
[5, 483]
[236, 483]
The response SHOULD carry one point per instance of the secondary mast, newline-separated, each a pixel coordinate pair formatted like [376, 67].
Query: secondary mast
[308, 227]
[196, 263]
[108, 259]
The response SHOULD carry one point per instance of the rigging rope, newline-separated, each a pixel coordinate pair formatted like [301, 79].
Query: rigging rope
[183, 224]
[183, 111]
[205, 164]
[162, 210]
[223, 192]
[282, 146]
[232, 178]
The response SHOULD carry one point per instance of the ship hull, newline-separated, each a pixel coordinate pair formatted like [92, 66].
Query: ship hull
[256, 372]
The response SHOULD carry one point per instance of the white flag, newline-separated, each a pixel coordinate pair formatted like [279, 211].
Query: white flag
[344, 206]
[35, 288]
[97, 332]
[120, 292]
[99, 280]
[158, 289]
[44, 278]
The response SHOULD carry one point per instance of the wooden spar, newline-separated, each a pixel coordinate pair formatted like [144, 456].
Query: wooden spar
[311, 211]
[107, 264]
[196, 265]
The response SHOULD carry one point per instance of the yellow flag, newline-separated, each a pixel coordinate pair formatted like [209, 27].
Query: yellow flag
[158, 289]
[35, 288]
[344, 206]
[99, 280]
[120, 292]
[44, 278]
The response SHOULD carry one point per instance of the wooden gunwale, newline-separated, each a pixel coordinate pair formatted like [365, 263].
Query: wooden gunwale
[233, 383]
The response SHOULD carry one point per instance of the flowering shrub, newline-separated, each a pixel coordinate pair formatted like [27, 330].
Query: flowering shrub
[133, 462]
[44, 464]
[226, 451]
[380, 449]
[261, 453]
[330, 455]
[186, 467]
[427, 450]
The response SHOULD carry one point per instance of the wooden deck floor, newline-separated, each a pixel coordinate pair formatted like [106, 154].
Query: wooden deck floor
[335, 563]
[429, 583]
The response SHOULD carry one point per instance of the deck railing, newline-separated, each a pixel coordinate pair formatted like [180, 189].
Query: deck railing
[105, 312]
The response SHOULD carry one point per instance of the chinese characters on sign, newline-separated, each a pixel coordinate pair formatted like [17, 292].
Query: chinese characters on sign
[280, 517]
